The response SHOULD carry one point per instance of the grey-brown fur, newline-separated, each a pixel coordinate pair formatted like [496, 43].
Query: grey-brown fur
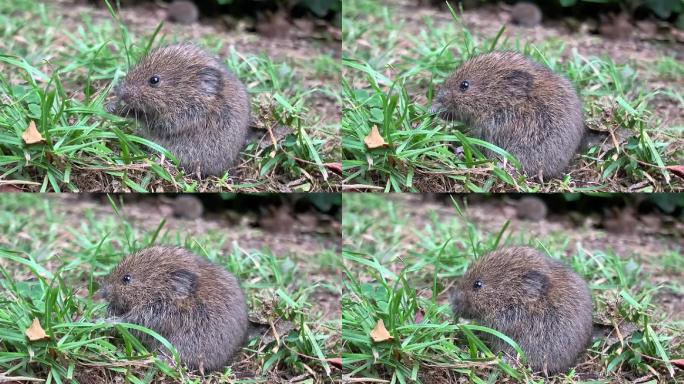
[537, 301]
[187, 206]
[526, 14]
[531, 208]
[196, 305]
[183, 11]
[198, 110]
[518, 105]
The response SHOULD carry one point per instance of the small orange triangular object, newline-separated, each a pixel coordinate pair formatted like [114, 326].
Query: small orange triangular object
[379, 333]
[374, 140]
[31, 134]
[35, 331]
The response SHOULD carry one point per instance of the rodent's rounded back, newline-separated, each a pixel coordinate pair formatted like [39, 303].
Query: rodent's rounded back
[189, 103]
[531, 208]
[196, 305]
[171, 79]
[183, 11]
[498, 81]
[519, 105]
[526, 14]
[163, 273]
[536, 300]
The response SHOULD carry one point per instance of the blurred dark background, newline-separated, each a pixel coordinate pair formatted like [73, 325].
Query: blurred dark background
[273, 212]
[623, 213]
[665, 10]
[255, 11]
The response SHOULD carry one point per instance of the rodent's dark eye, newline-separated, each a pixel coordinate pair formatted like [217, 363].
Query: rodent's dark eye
[126, 279]
[464, 85]
[154, 80]
[477, 285]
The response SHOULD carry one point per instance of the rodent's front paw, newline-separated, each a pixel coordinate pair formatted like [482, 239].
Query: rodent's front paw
[113, 107]
[112, 320]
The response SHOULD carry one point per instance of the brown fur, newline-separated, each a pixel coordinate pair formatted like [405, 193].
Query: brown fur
[199, 110]
[196, 305]
[537, 301]
[183, 11]
[187, 206]
[526, 14]
[518, 105]
[531, 208]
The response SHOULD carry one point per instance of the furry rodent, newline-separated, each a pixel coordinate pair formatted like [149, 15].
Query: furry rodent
[519, 105]
[187, 206]
[531, 208]
[188, 102]
[526, 14]
[183, 11]
[537, 301]
[196, 305]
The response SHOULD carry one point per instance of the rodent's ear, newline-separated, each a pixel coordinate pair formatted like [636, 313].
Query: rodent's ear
[520, 81]
[210, 80]
[535, 284]
[183, 282]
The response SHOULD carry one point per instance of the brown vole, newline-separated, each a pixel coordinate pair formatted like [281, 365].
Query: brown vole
[537, 301]
[196, 305]
[188, 102]
[518, 105]
[526, 14]
[187, 207]
[183, 11]
[531, 208]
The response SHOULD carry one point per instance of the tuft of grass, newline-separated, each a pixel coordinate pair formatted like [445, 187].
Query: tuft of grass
[57, 75]
[52, 274]
[401, 256]
[393, 65]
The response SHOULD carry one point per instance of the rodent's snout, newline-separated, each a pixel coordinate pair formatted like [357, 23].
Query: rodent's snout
[457, 302]
[102, 293]
[122, 93]
[437, 106]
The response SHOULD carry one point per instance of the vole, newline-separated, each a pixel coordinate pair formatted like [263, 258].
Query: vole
[183, 11]
[531, 208]
[537, 301]
[188, 102]
[526, 14]
[187, 206]
[196, 305]
[519, 105]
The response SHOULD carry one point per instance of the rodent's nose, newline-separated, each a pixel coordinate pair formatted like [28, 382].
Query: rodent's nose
[457, 302]
[102, 293]
[122, 93]
[437, 103]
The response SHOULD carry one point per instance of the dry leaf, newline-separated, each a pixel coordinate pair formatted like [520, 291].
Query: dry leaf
[36, 332]
[677, 170]
[678, 363]
[374, 140]
[335, 362]
[31, 134]
[9, 188]
[335, 167]
[420, 316]
[379, 333]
